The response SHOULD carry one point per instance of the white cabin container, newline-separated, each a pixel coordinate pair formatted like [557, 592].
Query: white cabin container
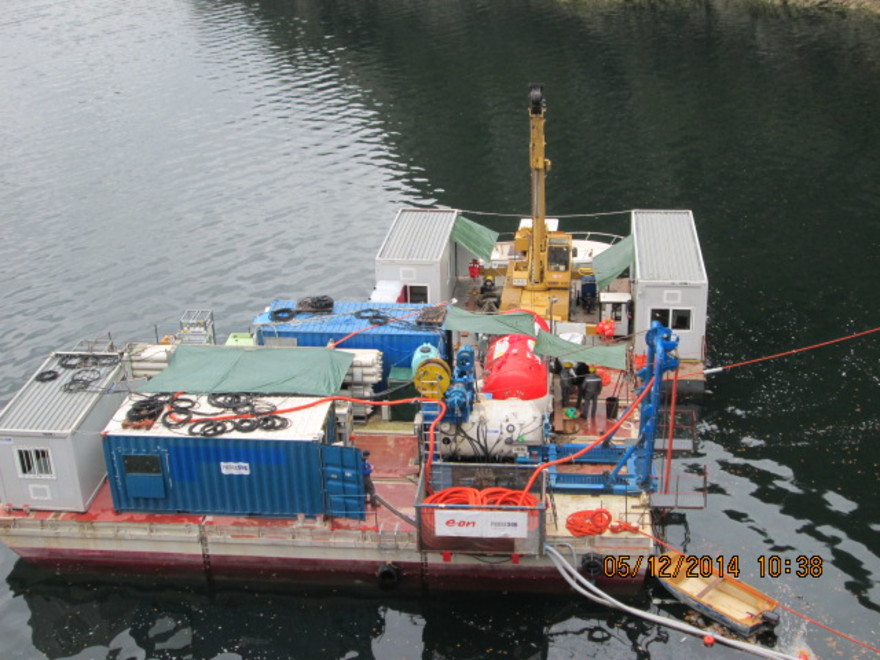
[51, 456]
[669, 279]
[419, 253]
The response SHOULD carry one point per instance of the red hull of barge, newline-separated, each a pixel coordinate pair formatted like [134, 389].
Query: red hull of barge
[333, 552]
[412, 576]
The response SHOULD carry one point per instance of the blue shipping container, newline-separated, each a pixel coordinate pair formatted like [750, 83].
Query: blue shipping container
[233, 476]
[397, 339]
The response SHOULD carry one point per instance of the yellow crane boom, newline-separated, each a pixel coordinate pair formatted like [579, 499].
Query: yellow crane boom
[541, 281]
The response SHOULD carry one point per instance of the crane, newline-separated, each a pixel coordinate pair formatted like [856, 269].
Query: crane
[539, 275]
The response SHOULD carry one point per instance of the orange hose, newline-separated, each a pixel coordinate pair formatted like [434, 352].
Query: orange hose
[590, 522]
[592, 445]
[486, 497]
[667, 472]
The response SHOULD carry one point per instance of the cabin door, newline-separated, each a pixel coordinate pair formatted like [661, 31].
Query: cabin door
[342, 469]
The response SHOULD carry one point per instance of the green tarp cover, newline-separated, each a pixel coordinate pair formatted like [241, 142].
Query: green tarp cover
[519, 323]
[613, 356]
[209, 369]
[474, 237]
[610, 263]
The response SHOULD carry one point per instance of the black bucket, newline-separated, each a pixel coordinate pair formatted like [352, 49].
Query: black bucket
[611, 404]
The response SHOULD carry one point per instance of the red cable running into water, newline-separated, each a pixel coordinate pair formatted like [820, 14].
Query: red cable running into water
[667, 472]
[793, 351]
[786, 608]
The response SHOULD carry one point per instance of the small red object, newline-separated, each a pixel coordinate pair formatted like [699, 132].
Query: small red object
[514, 558]
[447, 556]
[709, 641]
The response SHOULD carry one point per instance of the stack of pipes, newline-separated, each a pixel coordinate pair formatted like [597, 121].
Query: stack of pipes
[147, 360]
[362, 377]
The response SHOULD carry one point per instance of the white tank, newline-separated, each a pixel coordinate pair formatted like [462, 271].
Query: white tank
[497, 429]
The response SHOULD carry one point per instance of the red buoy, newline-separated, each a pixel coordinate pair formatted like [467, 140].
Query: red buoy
[513, 371]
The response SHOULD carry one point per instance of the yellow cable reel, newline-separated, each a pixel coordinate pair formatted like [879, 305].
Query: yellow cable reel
[432, 378]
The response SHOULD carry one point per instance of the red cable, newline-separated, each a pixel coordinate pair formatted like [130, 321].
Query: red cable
[800, 350]
[786, 608]
[473, 497]
[668, 467]
[830, 629]
[590, 522]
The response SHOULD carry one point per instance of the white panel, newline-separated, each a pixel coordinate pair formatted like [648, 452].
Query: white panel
[482, 524]
[39, 492]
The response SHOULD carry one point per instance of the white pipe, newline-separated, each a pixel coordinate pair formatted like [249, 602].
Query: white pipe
[583, 586]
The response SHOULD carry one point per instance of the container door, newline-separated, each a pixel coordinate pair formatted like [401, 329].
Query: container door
[141, 474]
[342, 469]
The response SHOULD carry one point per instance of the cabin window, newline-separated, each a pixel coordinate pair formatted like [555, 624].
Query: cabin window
[676, 319]
[681, 319]
[416, 293]
[35, 464]
[142, 464]
[661, 315]
[557, 258]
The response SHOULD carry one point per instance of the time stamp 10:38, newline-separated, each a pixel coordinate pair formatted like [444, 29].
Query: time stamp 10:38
[695, 566]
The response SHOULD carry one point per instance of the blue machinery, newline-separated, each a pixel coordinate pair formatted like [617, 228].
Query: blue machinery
[636, 457]
[459, 396]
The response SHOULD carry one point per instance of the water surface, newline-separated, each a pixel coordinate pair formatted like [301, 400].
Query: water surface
[164, 155]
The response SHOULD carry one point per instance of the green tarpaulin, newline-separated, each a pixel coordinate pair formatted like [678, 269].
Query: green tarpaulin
[612, 356]
[612, 262]
[209, 369]
[478, 239]
[548, 344]
[494, 324]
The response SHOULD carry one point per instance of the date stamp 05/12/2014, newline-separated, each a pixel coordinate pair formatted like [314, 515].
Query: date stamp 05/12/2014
[695, 566]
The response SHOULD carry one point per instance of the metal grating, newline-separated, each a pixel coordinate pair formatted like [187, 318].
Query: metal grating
[49, 406]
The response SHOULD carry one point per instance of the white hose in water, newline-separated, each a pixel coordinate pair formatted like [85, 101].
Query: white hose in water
[584, 587]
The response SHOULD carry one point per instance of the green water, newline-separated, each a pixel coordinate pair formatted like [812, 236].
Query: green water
[173, 154]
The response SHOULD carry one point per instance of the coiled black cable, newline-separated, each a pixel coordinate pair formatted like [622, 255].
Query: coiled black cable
[373, 316]
[81, 380]
[145, 409]
[315, 304]
[282, 314]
